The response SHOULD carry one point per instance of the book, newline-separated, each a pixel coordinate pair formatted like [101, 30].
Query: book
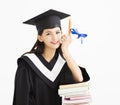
[77, 99]
[75, 89]
[87, 83]
[80, 101]
[77, 104]
[70, 94]
[85, 94]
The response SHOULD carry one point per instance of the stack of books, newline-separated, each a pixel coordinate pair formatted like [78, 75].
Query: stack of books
[77, 93]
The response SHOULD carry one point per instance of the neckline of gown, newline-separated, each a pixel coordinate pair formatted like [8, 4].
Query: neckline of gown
[47, 64]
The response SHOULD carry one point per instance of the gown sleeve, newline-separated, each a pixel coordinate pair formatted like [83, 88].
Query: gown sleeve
[67, 77]
[85, 74]
[22, 85]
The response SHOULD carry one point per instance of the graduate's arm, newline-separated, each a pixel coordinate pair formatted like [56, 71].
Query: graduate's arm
[22, 86]
[73, 66]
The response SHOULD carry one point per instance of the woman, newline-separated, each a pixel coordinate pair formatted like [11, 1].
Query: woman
[47, 65]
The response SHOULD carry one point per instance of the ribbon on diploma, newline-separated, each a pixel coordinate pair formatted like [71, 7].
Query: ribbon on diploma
[80, 35]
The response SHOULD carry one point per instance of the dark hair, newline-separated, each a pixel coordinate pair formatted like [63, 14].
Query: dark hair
[38, 47]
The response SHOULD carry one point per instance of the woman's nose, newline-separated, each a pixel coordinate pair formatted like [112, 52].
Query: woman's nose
[55, 37]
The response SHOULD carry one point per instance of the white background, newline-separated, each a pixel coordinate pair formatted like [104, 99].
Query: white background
[99, 53]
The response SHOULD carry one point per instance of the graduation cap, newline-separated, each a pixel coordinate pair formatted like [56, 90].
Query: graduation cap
[48, 19]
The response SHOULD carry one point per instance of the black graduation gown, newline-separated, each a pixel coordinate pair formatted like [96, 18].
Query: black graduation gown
[34, 87]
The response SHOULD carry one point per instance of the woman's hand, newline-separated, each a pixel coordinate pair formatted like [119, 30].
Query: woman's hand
[66, 41]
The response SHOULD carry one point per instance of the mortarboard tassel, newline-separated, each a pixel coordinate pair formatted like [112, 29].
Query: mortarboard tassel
[69, 26]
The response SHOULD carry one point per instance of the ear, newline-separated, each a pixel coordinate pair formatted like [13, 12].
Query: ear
[39, 37]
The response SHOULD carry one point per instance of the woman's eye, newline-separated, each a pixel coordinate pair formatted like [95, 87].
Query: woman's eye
[58, 32]
[48, 34]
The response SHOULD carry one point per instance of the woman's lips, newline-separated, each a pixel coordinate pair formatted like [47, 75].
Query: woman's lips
[56, 42]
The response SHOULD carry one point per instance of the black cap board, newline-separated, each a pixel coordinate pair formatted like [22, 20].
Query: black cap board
[48, 19]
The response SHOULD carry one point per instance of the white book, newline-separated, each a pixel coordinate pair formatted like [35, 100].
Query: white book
[72, 90]
[85, 94]
[82, 84]
[70, 94]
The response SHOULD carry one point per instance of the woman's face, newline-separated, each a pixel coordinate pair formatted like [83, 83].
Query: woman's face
[51, 37]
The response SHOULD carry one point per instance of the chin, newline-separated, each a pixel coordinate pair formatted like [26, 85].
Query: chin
[55, 46]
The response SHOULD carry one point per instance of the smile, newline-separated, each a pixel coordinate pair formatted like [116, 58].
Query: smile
[55, 42]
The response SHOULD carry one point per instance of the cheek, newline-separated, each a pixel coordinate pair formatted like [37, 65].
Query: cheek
[60, 36]
[47, 39]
